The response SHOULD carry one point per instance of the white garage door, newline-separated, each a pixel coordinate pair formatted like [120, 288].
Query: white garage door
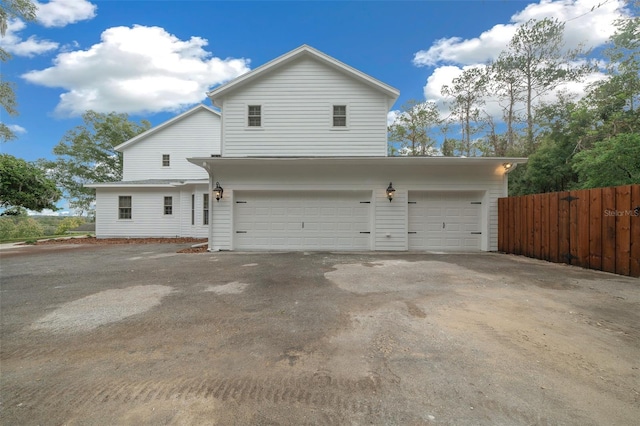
[447, 221]
[317, 220]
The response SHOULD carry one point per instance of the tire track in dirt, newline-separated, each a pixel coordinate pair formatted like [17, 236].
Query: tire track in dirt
[343, 394]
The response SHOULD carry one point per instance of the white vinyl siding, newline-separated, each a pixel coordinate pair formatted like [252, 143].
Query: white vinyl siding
[196, 135]
[297, 115]
[147, 220]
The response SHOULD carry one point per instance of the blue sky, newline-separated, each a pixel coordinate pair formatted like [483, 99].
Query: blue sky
[154, 59]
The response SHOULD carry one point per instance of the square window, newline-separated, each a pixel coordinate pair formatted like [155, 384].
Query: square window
[166, 160]
[168, 205]
[339, 116]
[124, 207]
[255, 116]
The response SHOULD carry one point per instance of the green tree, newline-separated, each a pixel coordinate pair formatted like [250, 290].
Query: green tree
[467, 95]
[537, 62]
[69, 223]
[504, 84]
[611, 162]
[25, 185]
[86, 154]
[11, 9]
[413, 126]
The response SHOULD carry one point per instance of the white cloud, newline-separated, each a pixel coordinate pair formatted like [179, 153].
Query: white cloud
[59, 13]
[16, 128]
[391, 116]
[451, 56]
[13, 43]
[583, 26]
[136, 70]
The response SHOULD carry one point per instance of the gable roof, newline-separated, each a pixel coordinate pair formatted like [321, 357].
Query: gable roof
[167, 123]
[302, 51]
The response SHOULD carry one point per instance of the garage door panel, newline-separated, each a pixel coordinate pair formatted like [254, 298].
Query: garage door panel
[308, 220]
[459, 212]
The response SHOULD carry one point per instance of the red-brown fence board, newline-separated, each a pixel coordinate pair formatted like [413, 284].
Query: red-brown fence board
[517, 226]
[596, 228]
[537, 232]
[544, 227]
[582, 207]
[609, 230]
[554, 227]
[634, 264]
[564, 228]
[623, 229]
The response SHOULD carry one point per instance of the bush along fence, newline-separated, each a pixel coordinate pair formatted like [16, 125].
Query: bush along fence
[593, 228]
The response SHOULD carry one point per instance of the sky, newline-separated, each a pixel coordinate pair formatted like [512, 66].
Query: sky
[155, 59]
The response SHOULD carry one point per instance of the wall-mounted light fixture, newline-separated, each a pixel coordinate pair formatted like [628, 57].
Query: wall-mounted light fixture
[507, 166]
[217, 191]
[390, 192]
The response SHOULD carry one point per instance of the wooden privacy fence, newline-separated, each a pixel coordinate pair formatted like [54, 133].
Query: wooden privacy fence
[593, 228]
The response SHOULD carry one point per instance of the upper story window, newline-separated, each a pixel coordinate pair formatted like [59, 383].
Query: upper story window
[254, 118]
[168, 205]
[339, 116]
[124, 207]
[166, 160]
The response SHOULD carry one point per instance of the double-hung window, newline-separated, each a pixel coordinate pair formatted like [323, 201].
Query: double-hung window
[205, 209]
[124, 207]
[168, 205]
[193, 209]
[166, 160]
[339, 116]
[254, 116]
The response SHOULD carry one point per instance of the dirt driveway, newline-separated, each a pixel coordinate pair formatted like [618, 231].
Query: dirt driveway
[140, 334]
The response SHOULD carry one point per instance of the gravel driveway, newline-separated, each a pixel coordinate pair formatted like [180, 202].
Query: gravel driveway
[140, 334]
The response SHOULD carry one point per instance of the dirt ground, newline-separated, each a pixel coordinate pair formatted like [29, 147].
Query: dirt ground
[95, 334]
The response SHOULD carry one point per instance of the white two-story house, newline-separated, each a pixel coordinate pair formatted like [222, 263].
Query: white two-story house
[297, 160]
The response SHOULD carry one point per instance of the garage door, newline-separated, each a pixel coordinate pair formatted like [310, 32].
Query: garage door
[447, 221]
[318, 220]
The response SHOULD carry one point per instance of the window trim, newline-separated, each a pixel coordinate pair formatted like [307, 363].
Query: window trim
[167, 209]
[347, 116]
[248, 116]
[205, 208]
[168, 160]
[193, 209]
[122, 209]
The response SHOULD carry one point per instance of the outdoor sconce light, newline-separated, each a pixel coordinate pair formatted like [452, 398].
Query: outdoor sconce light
[217, 191]
[390, 192]
[507, 166]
